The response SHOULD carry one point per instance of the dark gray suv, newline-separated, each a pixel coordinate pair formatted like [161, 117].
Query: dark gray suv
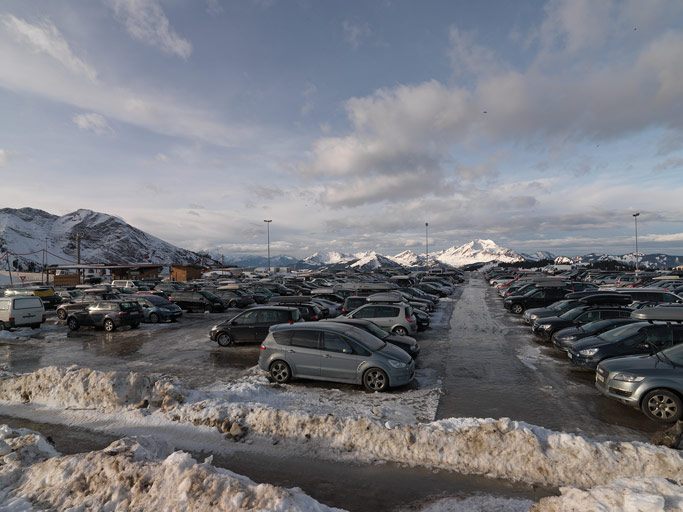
[334, 352]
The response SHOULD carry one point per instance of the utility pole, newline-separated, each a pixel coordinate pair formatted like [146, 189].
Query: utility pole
[427, 244]
[9, 269]
[45, 262]
[635, 218]
[268, 221]
[78, 256]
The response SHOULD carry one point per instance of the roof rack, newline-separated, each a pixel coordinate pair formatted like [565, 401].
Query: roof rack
[666, 313]
[620, 299]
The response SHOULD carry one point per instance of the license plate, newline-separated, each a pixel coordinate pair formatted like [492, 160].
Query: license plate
[599, 378]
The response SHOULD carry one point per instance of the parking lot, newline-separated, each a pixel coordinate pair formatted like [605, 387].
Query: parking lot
[484, 360]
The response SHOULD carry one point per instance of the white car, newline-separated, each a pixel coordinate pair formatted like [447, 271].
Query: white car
[21, 311]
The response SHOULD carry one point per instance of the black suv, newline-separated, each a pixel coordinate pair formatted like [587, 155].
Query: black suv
[534, 298]
[252, 325]
[580, 315]
[108, 315]
[198, 301]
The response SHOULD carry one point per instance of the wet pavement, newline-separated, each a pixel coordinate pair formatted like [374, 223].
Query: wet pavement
[495, 368]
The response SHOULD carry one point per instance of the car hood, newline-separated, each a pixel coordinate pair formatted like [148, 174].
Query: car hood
[592, 342]
[404, 340]
[634, 364]
[394, 352]
[539, 311]
[569, 333]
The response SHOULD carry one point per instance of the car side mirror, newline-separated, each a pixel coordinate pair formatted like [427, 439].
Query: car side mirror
[347, 351]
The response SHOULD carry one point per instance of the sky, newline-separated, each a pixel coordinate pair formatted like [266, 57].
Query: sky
[540, 125]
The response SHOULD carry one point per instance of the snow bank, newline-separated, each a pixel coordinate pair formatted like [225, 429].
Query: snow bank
[84, 388]
[129, 475]
[628, 495]
[482, 503]
[499, 448]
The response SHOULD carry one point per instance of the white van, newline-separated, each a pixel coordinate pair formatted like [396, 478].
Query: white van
[21, 311]
[125, 285]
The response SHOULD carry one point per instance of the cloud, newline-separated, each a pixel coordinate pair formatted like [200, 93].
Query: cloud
[44, 74]
[355, 33]
[4, 157]
[668, 164]
[467, 57]
[45, 38]
[146, 22]
[93, 122]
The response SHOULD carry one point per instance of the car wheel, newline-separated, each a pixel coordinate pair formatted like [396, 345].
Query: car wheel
[400, 331]
[224, 339]
[73, 324]
[375, 379]
[517, 309]
[662, 405]
[280, 372]
[154, 318]
[109, 325]
[232, 304]
[61, 314]
[35, 326]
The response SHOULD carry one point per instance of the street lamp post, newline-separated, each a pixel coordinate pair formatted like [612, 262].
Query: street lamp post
[635, 218]
[427, 244]
[268, 221]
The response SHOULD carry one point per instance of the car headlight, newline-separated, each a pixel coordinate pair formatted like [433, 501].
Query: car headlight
[626, 377]
[396, 364]
[588, 352]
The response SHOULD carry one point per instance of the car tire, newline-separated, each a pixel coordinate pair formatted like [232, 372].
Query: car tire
[61, 314]
[73, 324]
[35, 326]
[400, 331]
[232, 304]
[224, 339]
[375, 379]
[154, 318]
[517, 309]
[280, 372]
[109, 325]
[662, 405]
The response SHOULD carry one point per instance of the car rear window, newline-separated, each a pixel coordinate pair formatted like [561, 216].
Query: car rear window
[127, 306]
[27, 303]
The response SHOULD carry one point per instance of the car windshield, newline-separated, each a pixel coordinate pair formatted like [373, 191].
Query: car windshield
[625, 331]
[593, 327]
[370, 341]
[376, 330]
[557, 306]
[572, 314]
[675, 354]
[210, 296]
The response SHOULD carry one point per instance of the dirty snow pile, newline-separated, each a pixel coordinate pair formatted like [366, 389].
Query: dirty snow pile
[498, 448]
[636, 495]
[130, 474]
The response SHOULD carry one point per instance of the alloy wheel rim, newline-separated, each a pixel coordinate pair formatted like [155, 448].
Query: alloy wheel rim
[280, 372]
[375, 380]
[662, 406]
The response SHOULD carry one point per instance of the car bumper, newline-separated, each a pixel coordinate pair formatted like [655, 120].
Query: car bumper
[402, 377]
[582, 361]
[625, 392]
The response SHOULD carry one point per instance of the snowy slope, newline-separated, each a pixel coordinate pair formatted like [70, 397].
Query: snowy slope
[477, 251]
[408, 259]
[104, 239]
[372, 260]
[328, 258]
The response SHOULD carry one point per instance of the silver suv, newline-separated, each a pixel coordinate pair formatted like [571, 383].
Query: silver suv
[396, 318]
[334, 352]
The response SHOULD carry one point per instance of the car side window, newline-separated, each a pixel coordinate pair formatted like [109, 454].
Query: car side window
[368, 312]
[387, 312]
[610, 314]
[659, 335]
[305, 339]
[247, 318]
[589, 316]
[333, 342]
[359, 349]
[538, 294]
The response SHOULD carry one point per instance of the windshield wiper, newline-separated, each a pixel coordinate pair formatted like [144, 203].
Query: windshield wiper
[668, 359]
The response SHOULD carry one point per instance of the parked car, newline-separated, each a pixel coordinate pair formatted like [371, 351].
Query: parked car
[21, 311]
[546, 327]
[652, 383]
[422, 319]
[352, 302]
[108, 315]
[252, 325]
[198, 301]
[555, 309]
[396, 318]
[334, 352]
[564, 339]
[46, 293]
[333, 308]
[534, 298]
[156, 309]
[88, 296]
[126, 285]
[630, 339]
[406, 343]
[234, 298]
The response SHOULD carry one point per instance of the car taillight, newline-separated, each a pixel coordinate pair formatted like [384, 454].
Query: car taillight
[409, 319]
[314, 317]
[290, 322]
[262, 347]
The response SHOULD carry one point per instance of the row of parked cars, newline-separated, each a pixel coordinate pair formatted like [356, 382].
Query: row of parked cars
[368, 341]
[632, 337]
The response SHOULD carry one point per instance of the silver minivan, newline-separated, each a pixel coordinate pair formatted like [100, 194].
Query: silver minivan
[21, 311]
[334, 352]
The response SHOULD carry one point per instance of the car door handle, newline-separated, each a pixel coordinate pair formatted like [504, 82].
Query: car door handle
[291, 351]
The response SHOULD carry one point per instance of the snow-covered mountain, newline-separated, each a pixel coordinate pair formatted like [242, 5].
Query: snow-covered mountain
[408, 259]
[372, 260]
[538, 256]
[477, 251]
[653, 261]
[328, 258]
[252, 260]
[25, 232]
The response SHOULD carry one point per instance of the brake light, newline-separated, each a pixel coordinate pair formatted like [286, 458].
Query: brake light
[409, 319]
[314, 317]
[262, 347]
[290, 322]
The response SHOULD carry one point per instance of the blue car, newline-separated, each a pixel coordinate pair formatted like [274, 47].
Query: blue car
[157, 309]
